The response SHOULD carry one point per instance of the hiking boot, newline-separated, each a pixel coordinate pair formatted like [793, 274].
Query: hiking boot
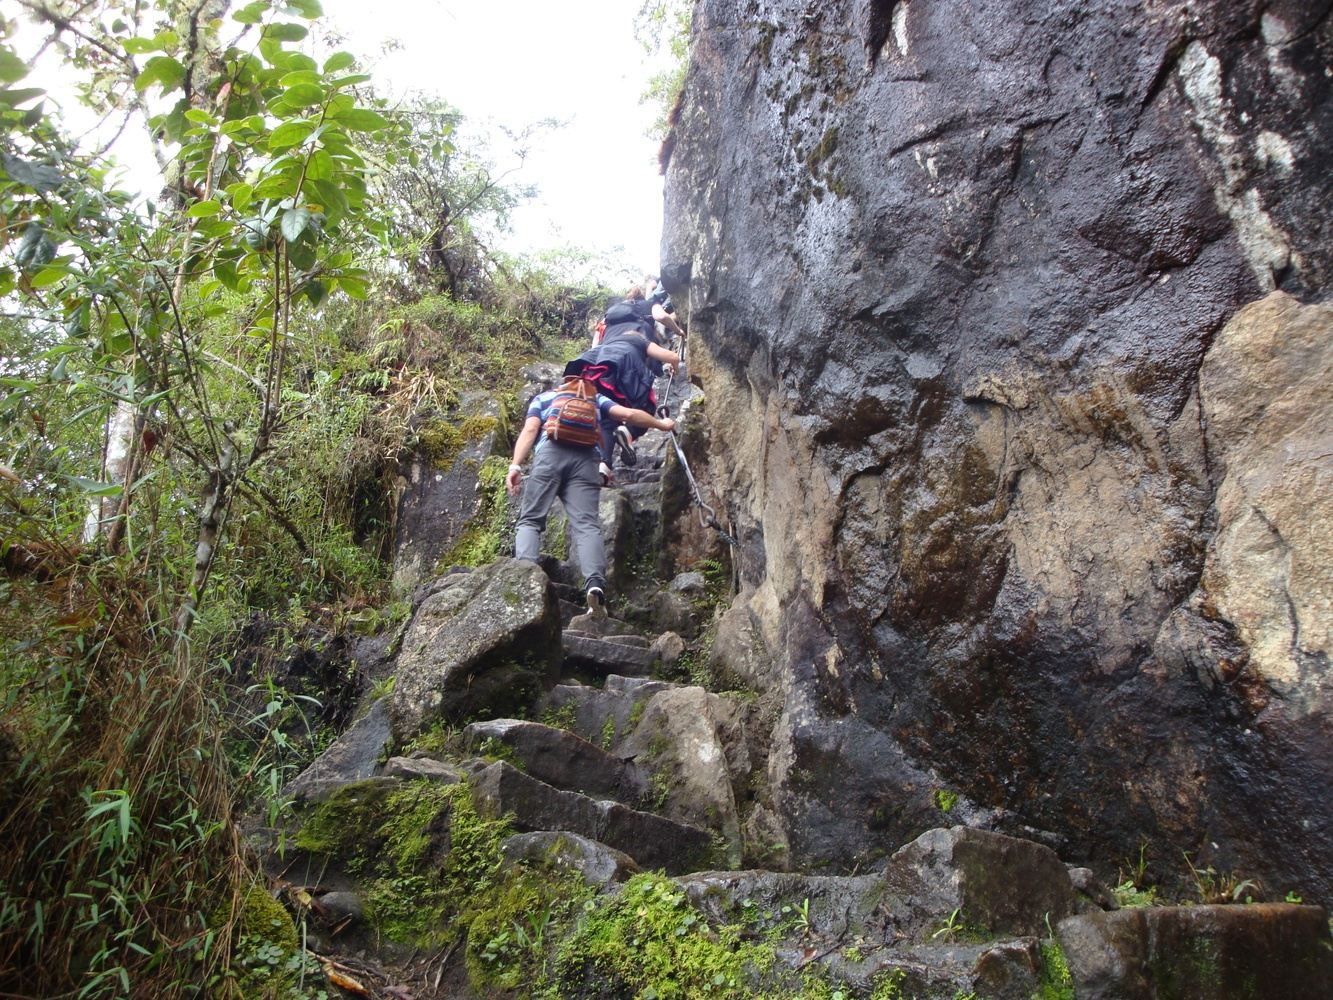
[596, 600]
[604, 470]
[626, 441]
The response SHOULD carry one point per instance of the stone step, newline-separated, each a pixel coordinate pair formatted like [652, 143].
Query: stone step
[601, 715]
[651, 840]
[602, 656]
[599, 625]
[637, 641]
[562, 759]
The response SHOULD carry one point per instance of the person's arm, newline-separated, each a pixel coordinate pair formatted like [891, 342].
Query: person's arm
[639, 418]
[667, 319]
[659, 353]
[526, 438]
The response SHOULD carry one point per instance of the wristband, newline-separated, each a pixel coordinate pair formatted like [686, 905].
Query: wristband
[515, 467]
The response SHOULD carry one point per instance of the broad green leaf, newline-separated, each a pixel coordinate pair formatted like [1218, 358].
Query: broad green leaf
[362, 120]
[164, 71]
[226, 273]
[93, 488]
[290, 134]
[240, 195]
[331, 198]
[292, 62]
[294, 222]
[320, 166]
[350, 81]
[39, 177]
[49, 275]
[7, 281]
[13, 98]
[277, 186]
[12, 68]
[211, 229]
[300, 76]
[354, 287]
[284, 32]
[199, 117]
[339, 61]
[251, 13]
[302, 255]
[309, 9]
[139, 46]
[315, 292]
[203, 209]
[303, 95]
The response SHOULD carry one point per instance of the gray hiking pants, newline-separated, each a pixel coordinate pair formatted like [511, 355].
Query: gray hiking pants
[569, 473]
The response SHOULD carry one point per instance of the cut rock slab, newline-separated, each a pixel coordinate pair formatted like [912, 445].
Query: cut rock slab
[412, 768]
[652, 841]
[1001, 884]
[563, 759]
[597, 863]
[351, 757]
[603, 713]
[677, 741]
[606, 656]
[1200, 952]
[486, 643]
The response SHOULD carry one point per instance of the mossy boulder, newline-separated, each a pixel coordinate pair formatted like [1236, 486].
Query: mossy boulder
[483, 646]
[441, 499]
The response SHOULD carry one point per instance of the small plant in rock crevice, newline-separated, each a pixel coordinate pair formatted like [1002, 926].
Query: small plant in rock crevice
[1056, 981]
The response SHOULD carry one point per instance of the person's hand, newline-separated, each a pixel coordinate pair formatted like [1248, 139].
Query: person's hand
[669, 370]
[667, 424]
[514, 481]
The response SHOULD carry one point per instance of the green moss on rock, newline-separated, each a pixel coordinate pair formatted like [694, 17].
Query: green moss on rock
[649, 941]
[420, 847]
[487, 534]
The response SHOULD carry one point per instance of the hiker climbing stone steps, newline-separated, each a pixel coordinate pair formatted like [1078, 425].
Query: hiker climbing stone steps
[563, 425]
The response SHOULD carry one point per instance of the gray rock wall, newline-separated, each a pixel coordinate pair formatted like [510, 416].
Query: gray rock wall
[952, 271]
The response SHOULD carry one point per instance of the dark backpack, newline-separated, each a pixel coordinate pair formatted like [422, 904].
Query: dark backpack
[624, 314]
[573, 417]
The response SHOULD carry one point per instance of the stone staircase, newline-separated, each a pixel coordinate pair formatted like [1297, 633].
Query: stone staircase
[621, 770]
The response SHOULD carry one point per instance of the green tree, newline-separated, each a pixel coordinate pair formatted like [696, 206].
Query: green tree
[663, 29]
[147, 366]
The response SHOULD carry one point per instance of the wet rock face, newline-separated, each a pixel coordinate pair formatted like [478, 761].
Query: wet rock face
[952, 273]
[1199, 952]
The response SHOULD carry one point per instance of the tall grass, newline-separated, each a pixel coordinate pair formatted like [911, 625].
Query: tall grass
[122, 866]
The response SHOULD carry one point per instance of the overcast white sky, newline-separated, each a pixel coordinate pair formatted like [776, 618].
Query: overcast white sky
[512, 63]
[515, 62]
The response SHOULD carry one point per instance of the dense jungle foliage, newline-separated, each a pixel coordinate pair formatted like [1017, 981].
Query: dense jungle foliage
[207, 394]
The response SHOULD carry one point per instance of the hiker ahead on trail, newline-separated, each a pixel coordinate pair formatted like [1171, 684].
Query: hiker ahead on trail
[624, 365]
[650, 312]
[564, 425]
